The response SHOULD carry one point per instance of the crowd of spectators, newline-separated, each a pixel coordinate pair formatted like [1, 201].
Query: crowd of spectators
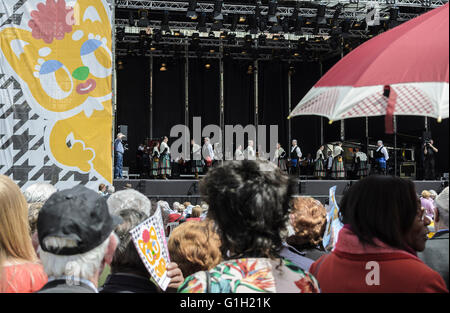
[251, 234]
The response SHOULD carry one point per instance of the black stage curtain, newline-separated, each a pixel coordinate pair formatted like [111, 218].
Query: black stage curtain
[204, 92]
[133, 94]
[168, 96]
[273, 106]
[306, 129]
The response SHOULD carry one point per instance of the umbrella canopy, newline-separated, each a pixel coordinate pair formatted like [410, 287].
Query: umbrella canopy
[403, 71]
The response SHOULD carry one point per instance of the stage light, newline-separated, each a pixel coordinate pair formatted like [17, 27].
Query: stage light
[250, 69]
[163, 67]
[131, 21]
[231, 39]
[152, 48]
[223, 35]
[252, 27]
[393, 16]
[218, 16]
[337, 13]
[276, 28]
[285, 25]
[321, 20]
[165, 22]
[272, 14]
[211, 35]
[217, 25]
[207, 66]
[201, 26]
[191, 10]
[234, 23]
[143, 19]
[157, 36]
[120, 65]
[212, 50]
[262, 40]
[291, 70]
[177, 33]
[242, 19]
[296, 54]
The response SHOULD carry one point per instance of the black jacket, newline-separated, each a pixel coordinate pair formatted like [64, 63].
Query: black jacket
[128, 283]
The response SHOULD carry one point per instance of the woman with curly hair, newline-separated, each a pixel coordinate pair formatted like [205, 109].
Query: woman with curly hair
[249, 204]
[195, 246]
[308, 219]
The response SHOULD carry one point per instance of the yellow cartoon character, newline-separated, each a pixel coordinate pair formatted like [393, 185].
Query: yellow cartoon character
[66, 63]
[149, 246]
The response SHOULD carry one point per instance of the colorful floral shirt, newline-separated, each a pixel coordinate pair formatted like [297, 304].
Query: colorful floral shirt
[252, 275]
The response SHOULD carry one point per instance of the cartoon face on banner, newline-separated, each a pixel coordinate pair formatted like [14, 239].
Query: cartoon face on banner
[64, 58]
[152, 248]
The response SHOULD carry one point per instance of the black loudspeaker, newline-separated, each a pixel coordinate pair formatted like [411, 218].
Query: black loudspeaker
[124, 130]
[408, 170]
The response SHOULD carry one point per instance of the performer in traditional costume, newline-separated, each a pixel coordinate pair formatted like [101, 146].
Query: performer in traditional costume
[239, 154]
[155, 160]
[338, 170]
[250, 153]
[381, 156]
[164, 161]
[196, 159]
[361, 164]
[208, 153]
[294, 157]
[319, 168]
[280, 158]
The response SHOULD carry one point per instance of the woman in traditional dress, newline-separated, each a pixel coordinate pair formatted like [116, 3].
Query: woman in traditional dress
[361, 163]
[164, 160]
[280, 158]
[155, 160]
[319, 168]
[196, 159]
[338, 171]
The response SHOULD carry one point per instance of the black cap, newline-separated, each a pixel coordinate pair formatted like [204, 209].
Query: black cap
[79, 214]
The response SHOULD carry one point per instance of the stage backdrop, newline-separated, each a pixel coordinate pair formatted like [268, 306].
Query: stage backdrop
[55, 92]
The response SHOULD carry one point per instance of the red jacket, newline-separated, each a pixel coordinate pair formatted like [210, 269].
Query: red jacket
[344, 270]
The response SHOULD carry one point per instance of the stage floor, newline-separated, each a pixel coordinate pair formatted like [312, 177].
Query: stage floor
[182, 190]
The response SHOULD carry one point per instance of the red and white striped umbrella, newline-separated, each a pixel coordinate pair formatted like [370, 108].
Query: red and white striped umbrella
[410, 61]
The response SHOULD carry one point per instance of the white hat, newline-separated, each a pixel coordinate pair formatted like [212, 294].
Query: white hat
[441, 200]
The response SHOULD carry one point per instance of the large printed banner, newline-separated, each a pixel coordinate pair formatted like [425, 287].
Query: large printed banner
[55, 92]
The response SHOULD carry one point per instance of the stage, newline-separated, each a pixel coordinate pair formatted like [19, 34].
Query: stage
[182, 190]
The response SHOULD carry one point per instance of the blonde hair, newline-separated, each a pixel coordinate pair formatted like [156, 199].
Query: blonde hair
[15, 239]
[426, 194]
[195, 246]
[308, 218]
[196, 211]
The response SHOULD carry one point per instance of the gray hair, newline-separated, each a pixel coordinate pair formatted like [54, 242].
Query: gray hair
[111, 189]
[81, 266]
[380, 141]
[442, 206]
[39, 192]
[128, 199]
[126, 258]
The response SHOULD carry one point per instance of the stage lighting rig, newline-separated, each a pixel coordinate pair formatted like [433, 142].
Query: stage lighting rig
[321, 20]
[234, 22]
[191, 10]
[201, 26]
[165, 22]
[262, 40]
[157, 36]
[252, 27]
[143, 19]
[276, 28]
[393, 16]
[232, 39]
[131, 21]
[218, 16]
[217, 25]
[272, 14]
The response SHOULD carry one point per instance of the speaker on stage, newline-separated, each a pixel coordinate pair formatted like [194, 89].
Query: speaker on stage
[124, 130]
[408, 170]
